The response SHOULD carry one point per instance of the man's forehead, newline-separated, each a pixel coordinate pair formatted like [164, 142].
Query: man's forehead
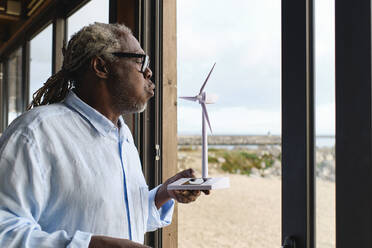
[130, 44]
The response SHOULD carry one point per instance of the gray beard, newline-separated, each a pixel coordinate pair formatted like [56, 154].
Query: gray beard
[138, 108]
[130, 108]
[125, 104]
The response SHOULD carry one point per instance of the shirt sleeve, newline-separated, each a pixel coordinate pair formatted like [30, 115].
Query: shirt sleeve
[161, 217]
[23, 197]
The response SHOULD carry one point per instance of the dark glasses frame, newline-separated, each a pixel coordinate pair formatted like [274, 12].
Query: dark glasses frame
[145, 58]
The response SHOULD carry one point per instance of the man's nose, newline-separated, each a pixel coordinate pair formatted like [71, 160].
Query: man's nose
[148, 73]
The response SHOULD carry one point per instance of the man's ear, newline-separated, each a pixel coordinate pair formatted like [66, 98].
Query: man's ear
[99, 67]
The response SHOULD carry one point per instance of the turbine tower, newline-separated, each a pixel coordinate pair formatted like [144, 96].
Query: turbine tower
[203, 98]
[204, 183]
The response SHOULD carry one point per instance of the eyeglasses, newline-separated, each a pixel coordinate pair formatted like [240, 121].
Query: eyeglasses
[145, 59]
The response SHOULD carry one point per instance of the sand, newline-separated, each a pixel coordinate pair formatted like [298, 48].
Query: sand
[248, 214]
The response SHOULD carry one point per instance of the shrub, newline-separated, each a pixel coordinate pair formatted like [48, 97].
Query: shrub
[212, 149]
[236, 162]
[212, 159]
[242, 162]
[185, 148]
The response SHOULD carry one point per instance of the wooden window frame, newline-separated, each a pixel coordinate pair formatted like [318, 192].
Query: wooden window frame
[49, 12]
[154, 24]
[155, 130]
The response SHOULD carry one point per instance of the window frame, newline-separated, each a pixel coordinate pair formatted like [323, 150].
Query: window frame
[353, 124]
[49, 12]
[154, 23]
[145, 18]
[298, 123]
[157, 148]
[5, 89]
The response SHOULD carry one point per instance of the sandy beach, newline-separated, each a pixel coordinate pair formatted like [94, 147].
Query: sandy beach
[248, 214]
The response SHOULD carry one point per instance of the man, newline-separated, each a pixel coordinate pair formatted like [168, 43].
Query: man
[70, 175]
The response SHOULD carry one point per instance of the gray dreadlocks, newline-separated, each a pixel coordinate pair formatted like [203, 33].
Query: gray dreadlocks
[98, 39]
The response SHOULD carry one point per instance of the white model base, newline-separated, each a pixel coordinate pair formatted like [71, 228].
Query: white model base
[200, 184]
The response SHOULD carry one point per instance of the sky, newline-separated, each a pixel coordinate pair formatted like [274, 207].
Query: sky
[245, 43]
[40, 59]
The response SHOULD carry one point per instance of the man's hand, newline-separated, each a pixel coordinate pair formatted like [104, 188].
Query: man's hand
[108, 242]
[183, 196]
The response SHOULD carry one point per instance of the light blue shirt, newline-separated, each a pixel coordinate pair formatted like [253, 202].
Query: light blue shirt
[67, 173]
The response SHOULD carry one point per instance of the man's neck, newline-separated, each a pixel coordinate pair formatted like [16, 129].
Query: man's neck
[100, 101]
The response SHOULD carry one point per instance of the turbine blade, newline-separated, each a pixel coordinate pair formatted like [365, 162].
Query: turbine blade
[206, 115]
[189, 98]
[206, 80]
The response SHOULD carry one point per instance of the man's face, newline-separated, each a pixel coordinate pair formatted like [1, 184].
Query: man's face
[129, 87]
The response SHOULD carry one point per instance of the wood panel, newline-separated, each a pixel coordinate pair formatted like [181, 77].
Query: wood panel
[25, 29]
[7, 17]
[20, 33]
[128, 14]
[169, 108]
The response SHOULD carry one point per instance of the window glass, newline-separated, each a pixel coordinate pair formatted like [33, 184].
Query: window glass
[93, 11]
[325, 123]
[14, 85]
[40, 59]
[245, 43]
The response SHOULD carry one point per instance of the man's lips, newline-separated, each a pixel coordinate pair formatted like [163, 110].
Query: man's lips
[150, 91]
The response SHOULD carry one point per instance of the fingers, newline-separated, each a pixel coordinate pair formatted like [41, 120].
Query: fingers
[188, 199]
[186, 196]
[188, 192]
[195, 192]
[206, 192]
[188, 173]
[105, 241]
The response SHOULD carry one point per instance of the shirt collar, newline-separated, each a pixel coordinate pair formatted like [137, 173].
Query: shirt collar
[97, 120]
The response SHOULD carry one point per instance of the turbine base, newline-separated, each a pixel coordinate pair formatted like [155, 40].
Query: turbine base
[200, 183]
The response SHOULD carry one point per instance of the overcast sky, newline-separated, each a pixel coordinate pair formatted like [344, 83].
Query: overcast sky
[244, 38]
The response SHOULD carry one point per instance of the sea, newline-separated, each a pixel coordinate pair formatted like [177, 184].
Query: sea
[325, 141]
[320, 142]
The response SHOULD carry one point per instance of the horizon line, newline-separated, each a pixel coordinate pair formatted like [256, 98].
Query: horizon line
[225, 134]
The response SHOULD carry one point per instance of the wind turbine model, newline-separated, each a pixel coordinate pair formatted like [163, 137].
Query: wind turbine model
[203, 183]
